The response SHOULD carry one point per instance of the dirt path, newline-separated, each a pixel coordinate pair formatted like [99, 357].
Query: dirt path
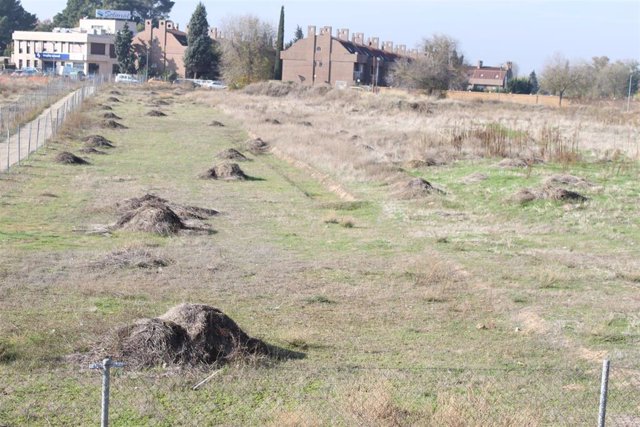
[34, 134]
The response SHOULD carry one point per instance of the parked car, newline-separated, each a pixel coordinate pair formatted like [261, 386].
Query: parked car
[126, 78]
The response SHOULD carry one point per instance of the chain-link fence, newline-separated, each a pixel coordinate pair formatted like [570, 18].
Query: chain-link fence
[288, 394]
[25, 125]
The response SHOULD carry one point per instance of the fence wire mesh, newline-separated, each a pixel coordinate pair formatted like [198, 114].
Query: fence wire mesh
[342, 396]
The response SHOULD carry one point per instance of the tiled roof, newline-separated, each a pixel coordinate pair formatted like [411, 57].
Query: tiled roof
[368, 51]
[180, 36]
[486, 75]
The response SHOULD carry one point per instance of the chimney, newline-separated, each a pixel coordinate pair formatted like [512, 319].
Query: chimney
[148, 23]
[479, 64]
[169, 25]
[311, 31]
[358, 38]
[509, 65]
[387, 46]
[325, 30]
[343, 34]
[373, 42]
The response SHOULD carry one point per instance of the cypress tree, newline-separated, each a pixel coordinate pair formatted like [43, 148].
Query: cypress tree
[199, 59]
[533, 82]
[124, 50]
[277, 68]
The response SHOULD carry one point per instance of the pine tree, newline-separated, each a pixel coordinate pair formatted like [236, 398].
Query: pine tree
[199, 59]
[533, 82]
[124, 50]
[13, 17]
[277, 68]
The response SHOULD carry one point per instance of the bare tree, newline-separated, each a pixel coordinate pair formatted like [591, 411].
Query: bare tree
[438, 67]
[559, 77]
[248, 50]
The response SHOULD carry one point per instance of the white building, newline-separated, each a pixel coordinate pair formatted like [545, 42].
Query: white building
[89, 48]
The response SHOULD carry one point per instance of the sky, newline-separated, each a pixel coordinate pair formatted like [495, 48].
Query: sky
[526, 32]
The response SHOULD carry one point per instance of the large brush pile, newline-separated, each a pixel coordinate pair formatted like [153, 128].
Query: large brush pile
[188, 334]
[152, 214]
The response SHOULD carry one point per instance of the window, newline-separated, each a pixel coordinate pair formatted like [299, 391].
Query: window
[98, 48]
[28, 63]
[318, 49]
[28, 48]
[35, 63]
[19, 63]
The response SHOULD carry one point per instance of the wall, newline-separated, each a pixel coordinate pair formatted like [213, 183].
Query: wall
[547, 100]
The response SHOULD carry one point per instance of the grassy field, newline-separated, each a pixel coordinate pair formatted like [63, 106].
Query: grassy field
[459, 306]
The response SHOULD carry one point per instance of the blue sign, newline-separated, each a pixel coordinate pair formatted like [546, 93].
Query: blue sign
[52, 56]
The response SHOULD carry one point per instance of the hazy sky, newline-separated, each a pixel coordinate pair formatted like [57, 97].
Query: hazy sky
[526, 32]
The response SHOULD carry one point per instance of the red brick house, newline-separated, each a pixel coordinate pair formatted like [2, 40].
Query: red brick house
[322, 59]
[164, 46]
[488, 79]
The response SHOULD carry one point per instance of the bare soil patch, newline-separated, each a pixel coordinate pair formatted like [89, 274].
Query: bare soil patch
[231, 154]
[225, 171]
[112, 124]
[97, 141]
[257, 146]
[188, 334]
[68, 158]
[156, 113]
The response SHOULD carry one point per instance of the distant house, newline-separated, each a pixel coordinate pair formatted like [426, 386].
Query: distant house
[322, 59]
[482, 78]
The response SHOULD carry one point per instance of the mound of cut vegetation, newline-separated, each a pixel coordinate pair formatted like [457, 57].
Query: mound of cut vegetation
[231, 154]
[97, 141]
[225, 171]
[565, 179]
[415, 188]
[151, 217]
[474, 178]
[156, 113]
[131, 258]
[105, 108]
[216, 123]
[257, 146]
[184, 212]
[113, 99]
[115, 92]
[526, 195]
[91, 150]
[68, 158]
[111, 116]
[509, 163]
[112, 124]
[272, 121]
[188, 334]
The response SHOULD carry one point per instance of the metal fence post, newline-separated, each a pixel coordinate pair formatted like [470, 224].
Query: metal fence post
[29, 144]
[604, 386]
[106, 366]
[8, 147]
[38, 132]
[19, 145]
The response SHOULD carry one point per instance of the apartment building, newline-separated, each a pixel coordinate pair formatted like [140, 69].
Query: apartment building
[324, 59]
[163, 47]
[89, 48]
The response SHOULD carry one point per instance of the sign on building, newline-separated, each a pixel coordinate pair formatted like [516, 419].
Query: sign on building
[113, 14]
[47, 56]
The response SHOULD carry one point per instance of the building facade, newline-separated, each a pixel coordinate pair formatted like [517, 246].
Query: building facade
[90, 48]
[162, 47]
[322, 59]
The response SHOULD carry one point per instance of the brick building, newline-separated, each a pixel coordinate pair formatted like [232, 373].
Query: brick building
[162, 47]
[322, 59]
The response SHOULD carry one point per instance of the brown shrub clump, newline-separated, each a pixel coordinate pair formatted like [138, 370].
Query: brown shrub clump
[231, 154]
[257, 146]
[68, 158]
[97, 141]
[188, 334]
[565, 179]
[112, 124]
[226, 171]
[156, 113]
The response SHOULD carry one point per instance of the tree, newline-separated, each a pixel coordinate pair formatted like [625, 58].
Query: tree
[439, 67]
[277, 68]
[559, 77]
[45, 26]
[247, 50]
[74, 10]
[124, 50]
[13, 17]
[297, 35]
[199, 59]
[533, 82]
[519, 85]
